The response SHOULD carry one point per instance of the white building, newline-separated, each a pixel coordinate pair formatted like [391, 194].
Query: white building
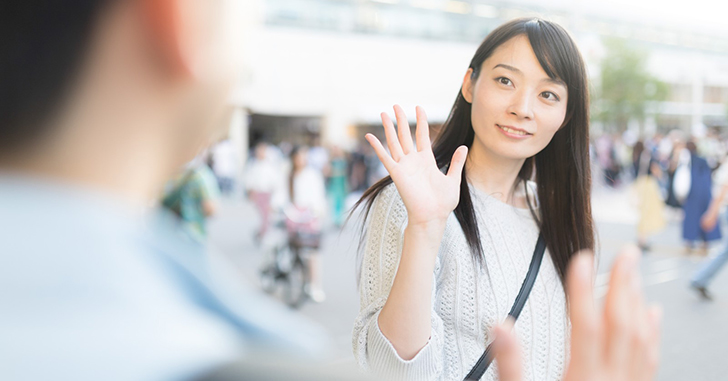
[329, 67]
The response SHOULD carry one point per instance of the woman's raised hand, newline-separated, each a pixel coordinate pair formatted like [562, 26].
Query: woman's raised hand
[428, 194]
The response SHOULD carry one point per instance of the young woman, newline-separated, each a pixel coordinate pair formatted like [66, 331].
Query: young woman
[450, 235]
[305, 207]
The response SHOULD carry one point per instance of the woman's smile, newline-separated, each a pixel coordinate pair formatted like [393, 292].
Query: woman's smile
[514, 132]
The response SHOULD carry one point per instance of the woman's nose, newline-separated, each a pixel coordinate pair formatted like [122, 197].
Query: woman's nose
[522, 105]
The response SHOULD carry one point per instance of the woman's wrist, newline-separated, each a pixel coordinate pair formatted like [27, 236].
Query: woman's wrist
[428, 228]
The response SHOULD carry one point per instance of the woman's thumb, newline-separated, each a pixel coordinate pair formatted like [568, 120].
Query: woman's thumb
[458, 162]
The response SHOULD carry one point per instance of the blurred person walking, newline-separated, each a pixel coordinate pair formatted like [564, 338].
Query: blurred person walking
[263, 179]
[708, 222]
[193, 196]
[337, 185]
[637, 157]
[698, 199]
[649, 198]
[677, 187]
[318, 155]
[607, 158]
[304, 199]
[225, 164]
[358, 170]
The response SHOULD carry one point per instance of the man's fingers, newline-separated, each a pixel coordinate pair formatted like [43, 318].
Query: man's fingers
[507, 352]
[405, 135]
[586, 330]
[618, 308]
[458, 162]
[381, 152]
[423, 131]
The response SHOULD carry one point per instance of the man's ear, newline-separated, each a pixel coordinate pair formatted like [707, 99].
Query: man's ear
[467, 88]
[167, 34]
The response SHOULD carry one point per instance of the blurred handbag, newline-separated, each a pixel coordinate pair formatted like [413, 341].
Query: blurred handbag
[682, 181]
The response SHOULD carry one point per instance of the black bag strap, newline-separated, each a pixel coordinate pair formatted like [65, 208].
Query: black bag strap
[487, 357]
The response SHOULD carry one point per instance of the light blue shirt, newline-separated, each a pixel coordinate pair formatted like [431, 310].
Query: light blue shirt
[92, 290]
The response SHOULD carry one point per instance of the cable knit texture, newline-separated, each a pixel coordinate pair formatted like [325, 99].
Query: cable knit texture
[468, 299]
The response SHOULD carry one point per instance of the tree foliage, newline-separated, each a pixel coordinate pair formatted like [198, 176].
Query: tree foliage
[625, 89]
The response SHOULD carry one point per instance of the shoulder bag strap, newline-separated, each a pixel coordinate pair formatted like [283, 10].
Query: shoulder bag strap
[487, 357]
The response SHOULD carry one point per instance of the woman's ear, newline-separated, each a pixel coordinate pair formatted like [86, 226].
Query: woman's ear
[467, 88]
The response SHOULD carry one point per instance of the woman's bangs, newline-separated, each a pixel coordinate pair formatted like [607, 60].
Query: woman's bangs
[552, 49]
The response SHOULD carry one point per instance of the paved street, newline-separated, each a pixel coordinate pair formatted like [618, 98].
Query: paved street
[694, 339]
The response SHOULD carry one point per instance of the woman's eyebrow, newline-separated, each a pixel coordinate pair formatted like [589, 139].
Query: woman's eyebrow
[554, 81]
[507, 67]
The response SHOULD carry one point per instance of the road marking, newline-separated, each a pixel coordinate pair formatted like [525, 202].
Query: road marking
[655, 272]
[664, 264]
[662, 277]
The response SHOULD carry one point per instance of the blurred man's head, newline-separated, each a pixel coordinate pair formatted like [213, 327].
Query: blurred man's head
[112, 81]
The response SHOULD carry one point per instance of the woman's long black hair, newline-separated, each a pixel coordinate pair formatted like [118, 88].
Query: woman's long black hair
[562, 169]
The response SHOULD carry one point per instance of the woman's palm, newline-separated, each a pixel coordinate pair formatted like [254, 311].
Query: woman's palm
[428, 194]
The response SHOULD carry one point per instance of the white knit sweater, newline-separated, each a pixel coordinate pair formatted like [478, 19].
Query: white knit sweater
[468, 300]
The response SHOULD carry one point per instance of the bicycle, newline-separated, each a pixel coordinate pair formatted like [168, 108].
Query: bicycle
[287, 269]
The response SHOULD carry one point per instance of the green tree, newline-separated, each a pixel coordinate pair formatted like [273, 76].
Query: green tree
[625, 89]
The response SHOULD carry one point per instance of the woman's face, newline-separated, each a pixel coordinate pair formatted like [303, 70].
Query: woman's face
[516, 107]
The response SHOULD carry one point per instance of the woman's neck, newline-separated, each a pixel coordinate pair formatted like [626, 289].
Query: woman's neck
[495, 175]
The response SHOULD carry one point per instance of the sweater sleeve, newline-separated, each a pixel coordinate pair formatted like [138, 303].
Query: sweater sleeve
[382, 252]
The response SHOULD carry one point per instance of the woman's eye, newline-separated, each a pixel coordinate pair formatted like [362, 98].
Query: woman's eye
[503, 81]
[549, 96]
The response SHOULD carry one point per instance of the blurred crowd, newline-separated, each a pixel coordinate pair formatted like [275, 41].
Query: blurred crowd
[672, 177]
[305, 188]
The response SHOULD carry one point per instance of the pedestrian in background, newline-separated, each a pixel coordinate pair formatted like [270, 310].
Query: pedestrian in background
[225, 165]
[193, 196]
[709, 221]
[649, 198]
[263, 179]
[697, 200]
[303, 202]
[337, 185]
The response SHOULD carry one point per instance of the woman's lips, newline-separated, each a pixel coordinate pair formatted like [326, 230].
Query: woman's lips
[513, 132]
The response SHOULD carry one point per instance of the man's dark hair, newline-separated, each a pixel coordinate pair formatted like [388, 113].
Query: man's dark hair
[42, 46]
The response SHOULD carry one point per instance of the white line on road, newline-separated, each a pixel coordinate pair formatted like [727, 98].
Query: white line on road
[658, 272]
[664, 265]
[662, 277]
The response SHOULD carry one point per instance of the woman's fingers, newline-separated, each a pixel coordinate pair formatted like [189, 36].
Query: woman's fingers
[392, 140]
[382, 154]
[654, 318]
[507, 352]
[405, 136]
[618, 309]
[586, 324]
[639, 329]
[457, 163]
[423, 131]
